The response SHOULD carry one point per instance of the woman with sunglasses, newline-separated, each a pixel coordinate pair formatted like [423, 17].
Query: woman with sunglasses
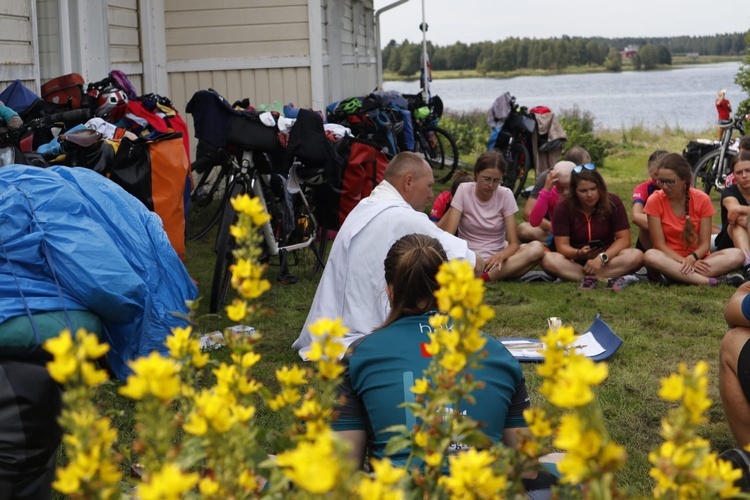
[483, 212]
[592, 235]
[679, 222]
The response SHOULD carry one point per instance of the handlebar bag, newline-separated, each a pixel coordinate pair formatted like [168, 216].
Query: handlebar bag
[247, 131]
[66, 89]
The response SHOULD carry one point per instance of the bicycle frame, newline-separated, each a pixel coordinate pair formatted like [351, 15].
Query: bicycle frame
[722, 166]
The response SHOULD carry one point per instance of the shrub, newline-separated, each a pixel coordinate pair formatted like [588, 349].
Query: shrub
[469, 130]
[579, 125]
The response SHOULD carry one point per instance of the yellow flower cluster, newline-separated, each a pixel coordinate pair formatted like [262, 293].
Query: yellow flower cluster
[251, 207]
[684, 465]
[170, 483]
[73, 360]
[325, 349]
[384, 485]
[154, 375]
[457, 334]
[89, 446]
[590, 455]
[290, 379]
[313, 466]
[472, 476]
[184, 348]
[247, 279]
[218, 408]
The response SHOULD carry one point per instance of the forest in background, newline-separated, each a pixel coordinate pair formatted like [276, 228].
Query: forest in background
[557, 53]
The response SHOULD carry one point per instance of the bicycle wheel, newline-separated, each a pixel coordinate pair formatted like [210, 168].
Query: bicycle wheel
[708, 174]
[225, 245]
[517, 171]
[440, 151]
[206, 201]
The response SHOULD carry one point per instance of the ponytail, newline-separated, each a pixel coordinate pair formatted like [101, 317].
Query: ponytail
[688, 234]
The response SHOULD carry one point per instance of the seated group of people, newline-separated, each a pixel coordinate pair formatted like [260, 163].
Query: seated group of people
[586, 230]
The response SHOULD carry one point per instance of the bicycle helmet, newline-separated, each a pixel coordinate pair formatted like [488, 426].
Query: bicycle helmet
[111, 104]
[348, 106]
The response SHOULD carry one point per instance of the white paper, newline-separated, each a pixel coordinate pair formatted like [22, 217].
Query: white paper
[211, 341]
[584, 344]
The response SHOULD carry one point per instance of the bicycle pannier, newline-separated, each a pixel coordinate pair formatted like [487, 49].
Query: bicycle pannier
[65, 90]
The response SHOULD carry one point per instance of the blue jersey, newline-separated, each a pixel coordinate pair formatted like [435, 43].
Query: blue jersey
[382, 367]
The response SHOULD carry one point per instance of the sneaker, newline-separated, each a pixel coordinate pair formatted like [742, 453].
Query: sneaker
[617, 284]
[734, 279]
[588, 283]
[739, 460]
[746, 273]
[664, 280]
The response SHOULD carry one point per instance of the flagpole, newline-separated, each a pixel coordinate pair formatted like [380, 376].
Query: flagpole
[425, 90]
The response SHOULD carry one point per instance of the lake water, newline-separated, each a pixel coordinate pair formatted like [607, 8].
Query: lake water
[678, 97]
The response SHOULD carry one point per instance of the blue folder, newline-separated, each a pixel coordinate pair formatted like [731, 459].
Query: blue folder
[599, 329]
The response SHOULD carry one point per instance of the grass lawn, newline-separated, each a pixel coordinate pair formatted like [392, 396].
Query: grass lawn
[661, 327]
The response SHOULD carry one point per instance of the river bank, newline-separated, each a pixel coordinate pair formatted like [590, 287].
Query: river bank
[677, 63]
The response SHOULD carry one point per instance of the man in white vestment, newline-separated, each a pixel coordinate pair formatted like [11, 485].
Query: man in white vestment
[353, 283]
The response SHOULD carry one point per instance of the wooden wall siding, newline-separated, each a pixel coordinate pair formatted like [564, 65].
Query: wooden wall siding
[347, 30]
[124, 43]
[358, 80]
[16, 33]
[236, 29]
[262, 86]
[49, 41]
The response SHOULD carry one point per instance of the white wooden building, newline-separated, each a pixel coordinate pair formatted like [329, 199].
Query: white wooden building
[309, 52]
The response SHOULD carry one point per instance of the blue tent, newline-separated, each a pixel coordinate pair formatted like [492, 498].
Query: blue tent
[107, 252]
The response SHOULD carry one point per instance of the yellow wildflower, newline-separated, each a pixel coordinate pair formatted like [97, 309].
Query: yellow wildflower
[385, 472]
[252, 207]
[330, 369]
[334, 328]
[90, 345]
[195, 425]
[60, 345]
[154, 375]
[314, 467]
[208, 486]
[471, 476]
[91, 375]
[672, 387]
[433, 459]
[67, 481]
[291, 376]
[421, 386]
[421, 439]
[62, 367]
[237, 310]
[170, 482]
[536, 418]
[453, 362]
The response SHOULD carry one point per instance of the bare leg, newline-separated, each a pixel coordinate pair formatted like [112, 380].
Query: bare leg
[658, 261]
[626, 262]
[527, 232]
[557, 265]
[736, 405]
[739, 236]
[524, 260]
[725, 261]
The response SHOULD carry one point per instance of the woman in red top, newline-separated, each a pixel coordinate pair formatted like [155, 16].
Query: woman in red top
[679, 222]
[724, 108]
[592, 234]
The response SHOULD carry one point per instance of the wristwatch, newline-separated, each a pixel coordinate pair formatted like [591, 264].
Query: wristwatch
[604, 257]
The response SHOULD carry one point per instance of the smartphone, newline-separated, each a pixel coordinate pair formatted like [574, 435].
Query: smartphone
[595, 244]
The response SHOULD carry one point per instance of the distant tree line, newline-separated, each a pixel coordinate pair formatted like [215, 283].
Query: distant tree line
[555, 53]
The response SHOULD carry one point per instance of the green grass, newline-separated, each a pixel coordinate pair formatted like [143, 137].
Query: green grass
[661, 327]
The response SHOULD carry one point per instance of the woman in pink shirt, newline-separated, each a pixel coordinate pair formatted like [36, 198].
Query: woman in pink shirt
[679, 222]
[483, 212]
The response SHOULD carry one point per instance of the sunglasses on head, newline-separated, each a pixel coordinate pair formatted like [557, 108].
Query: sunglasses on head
[579, 168]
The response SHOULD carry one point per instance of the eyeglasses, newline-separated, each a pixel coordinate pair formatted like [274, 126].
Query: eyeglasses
[588, 166]
[666, 182]
[491, 181]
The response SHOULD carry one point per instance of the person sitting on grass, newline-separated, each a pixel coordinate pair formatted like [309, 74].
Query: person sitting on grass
[735, 207]
[382, 367]
[679, 222]
[526, 232]
[641, 194]
[443, 201]
[592, 235]
[734, 380]
[483, 212]
[555, 187]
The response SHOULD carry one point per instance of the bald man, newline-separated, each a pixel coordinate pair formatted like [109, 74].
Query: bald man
[353, 283]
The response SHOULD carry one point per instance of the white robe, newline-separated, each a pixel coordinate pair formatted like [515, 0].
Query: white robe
[353, 283]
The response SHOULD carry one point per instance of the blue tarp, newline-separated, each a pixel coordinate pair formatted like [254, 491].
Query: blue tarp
[110, 255]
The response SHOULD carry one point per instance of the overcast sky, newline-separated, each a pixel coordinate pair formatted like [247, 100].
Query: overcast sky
[478, 20]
